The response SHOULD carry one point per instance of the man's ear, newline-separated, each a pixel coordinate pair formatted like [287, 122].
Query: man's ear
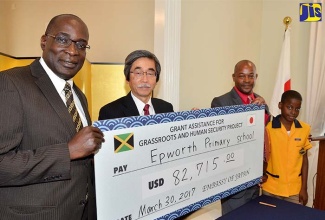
[233, 76]
[43, 42]
[280, 105]
[256, 75]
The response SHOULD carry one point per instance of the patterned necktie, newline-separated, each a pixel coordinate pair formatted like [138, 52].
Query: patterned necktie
[72, 107]
[146, 109]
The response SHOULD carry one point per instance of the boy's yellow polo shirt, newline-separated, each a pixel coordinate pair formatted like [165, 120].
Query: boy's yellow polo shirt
[286, 152]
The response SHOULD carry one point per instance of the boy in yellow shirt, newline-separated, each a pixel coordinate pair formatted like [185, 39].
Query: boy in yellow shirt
[287, 167]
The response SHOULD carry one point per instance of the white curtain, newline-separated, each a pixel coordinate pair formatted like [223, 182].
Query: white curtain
[315, 97]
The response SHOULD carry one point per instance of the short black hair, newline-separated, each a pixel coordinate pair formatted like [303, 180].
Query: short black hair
[290, 94]
[129, 60]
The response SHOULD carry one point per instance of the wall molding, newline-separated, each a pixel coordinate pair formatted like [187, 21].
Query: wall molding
[167, 48]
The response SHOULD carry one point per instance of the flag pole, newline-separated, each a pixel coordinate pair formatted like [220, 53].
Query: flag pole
[286, 21]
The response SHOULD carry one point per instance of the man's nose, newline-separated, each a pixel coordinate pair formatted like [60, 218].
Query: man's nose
[144, 77]
[72, 49]
[246, 78]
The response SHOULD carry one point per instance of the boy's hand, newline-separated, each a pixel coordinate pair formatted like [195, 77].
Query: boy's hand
[264, 178]
[309, 138]
[303, 197]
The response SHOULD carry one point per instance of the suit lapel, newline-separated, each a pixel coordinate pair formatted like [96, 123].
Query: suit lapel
[130, 108]
[235, 97]
[47, 88]
[83, 102]
[158, 108]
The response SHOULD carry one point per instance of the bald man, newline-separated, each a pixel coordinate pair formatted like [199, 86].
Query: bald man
[244, 77]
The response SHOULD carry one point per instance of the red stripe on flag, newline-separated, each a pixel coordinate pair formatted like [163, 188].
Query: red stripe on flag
[287, 85]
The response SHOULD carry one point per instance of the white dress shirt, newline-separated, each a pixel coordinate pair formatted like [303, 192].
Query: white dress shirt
[59, 86]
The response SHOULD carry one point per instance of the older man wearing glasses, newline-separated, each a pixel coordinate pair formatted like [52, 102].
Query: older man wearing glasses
[141, 70]
[47, 143]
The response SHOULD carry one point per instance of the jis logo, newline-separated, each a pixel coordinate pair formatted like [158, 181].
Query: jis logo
[310, 12]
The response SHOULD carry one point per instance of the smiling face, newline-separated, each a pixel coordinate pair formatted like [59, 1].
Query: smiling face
[142, 85]
[65, 62]
[244, 77]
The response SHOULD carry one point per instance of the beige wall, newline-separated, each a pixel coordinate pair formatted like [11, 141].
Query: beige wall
[116, 27]
[218, 33]
[215, 34]
[271, 39]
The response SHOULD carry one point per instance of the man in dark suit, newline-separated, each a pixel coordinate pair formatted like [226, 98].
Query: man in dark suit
[141, 70]
[46, 155]
[244, 77]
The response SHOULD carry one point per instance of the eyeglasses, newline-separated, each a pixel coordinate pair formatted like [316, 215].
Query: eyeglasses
[64, 40]
[138, 73]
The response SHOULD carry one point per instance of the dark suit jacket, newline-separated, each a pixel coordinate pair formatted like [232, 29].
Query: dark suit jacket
[236, 200]
[37, 179]
[126, 107]
[231, 98]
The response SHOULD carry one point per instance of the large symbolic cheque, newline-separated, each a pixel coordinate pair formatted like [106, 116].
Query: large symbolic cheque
[164, 166]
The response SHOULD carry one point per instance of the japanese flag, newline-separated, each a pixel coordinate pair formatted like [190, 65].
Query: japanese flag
[283, 81]
[250, 120]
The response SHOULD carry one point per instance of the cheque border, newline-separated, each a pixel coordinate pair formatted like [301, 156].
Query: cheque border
[197, 205]
[137, 121]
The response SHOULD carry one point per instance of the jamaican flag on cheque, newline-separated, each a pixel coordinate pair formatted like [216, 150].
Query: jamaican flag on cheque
[123, 142]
